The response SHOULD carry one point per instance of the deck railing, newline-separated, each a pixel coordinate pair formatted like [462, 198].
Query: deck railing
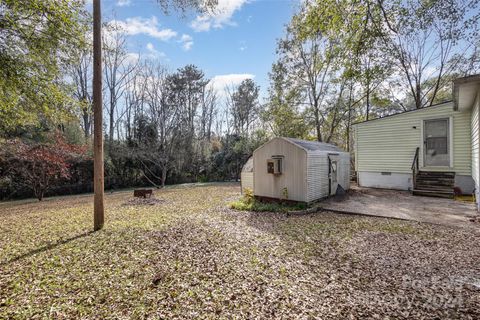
[415, 167]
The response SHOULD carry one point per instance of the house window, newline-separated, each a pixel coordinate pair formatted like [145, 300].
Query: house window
[274, 166]
[438, 144]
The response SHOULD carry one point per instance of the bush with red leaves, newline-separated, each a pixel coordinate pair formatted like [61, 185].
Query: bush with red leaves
[39, 166]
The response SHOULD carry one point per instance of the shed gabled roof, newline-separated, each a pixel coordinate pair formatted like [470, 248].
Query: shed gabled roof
[248, 166]
[314, 145]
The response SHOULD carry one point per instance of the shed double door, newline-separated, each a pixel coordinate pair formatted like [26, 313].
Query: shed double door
[333, 160]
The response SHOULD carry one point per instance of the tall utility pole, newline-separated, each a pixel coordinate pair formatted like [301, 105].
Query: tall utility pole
[98, 185]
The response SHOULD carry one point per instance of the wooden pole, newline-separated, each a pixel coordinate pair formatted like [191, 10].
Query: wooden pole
[98, 182]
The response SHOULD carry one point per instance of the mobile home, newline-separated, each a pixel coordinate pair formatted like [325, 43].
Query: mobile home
[430, 151]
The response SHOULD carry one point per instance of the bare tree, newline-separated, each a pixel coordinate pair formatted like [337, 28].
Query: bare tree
[135, 98]
[208, 110]
[82, 73]
[117, 68]
[310, 63]
[424, 41]
[243, 106]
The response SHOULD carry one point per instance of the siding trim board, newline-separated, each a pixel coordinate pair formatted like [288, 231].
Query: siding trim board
[401, 113]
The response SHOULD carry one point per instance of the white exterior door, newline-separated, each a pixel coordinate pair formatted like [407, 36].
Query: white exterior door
[436, 143]
[333, 173]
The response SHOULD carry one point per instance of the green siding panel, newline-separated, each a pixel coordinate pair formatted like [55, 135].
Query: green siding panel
[388, 144]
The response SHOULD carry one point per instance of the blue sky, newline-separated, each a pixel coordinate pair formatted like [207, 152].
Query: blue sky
[235, 42]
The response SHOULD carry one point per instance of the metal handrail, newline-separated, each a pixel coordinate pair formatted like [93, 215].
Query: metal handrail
[415, 167]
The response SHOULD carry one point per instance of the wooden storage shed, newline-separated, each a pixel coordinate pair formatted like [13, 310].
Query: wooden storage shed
[299, 170]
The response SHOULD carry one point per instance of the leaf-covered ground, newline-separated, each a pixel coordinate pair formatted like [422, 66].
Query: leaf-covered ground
[188, 256]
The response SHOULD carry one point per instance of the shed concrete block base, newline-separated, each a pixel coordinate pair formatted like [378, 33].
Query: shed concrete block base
[385, 180]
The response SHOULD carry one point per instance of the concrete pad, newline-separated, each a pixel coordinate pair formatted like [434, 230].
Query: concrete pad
[404, 205]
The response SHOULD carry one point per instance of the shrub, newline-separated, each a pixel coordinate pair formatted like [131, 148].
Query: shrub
[39, 166]
[249, 203]
[248, 196]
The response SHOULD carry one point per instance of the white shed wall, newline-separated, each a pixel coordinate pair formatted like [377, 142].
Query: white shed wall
[246, 179]
[317, 174]
[293, 177]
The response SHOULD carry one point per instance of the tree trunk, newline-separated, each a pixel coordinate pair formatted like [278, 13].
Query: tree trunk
[164, 176]
[317, 124]
[86, 123]
[39, 192]
[418, 96]
[111, 122]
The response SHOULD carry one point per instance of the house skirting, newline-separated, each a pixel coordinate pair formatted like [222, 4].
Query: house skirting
[403, 181]
[385, 180]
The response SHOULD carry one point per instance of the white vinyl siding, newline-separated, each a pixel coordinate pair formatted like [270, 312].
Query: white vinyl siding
[475, 135]
[388, 144]
[246, 179]
[317, 176]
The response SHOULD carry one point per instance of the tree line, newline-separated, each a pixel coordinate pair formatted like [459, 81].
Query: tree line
[338, 62]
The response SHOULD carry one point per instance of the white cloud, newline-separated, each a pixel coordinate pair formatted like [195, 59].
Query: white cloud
[132, 58]
[124, 3]
[220, 16]
[139, 25]
[154, 53]
[221, 82]
[150, 47]
[186, 41]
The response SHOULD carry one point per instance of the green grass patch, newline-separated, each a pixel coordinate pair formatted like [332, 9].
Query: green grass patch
[245, 204]
[249, 203]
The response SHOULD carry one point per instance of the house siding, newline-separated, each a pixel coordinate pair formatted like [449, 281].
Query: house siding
[344, 177]
[388, 145]
[475, 135]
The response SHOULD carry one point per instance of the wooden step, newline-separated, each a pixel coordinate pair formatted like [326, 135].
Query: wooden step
[435, 179]
[436, 173]
[435, 183]
[433, 193]
[433, 187]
